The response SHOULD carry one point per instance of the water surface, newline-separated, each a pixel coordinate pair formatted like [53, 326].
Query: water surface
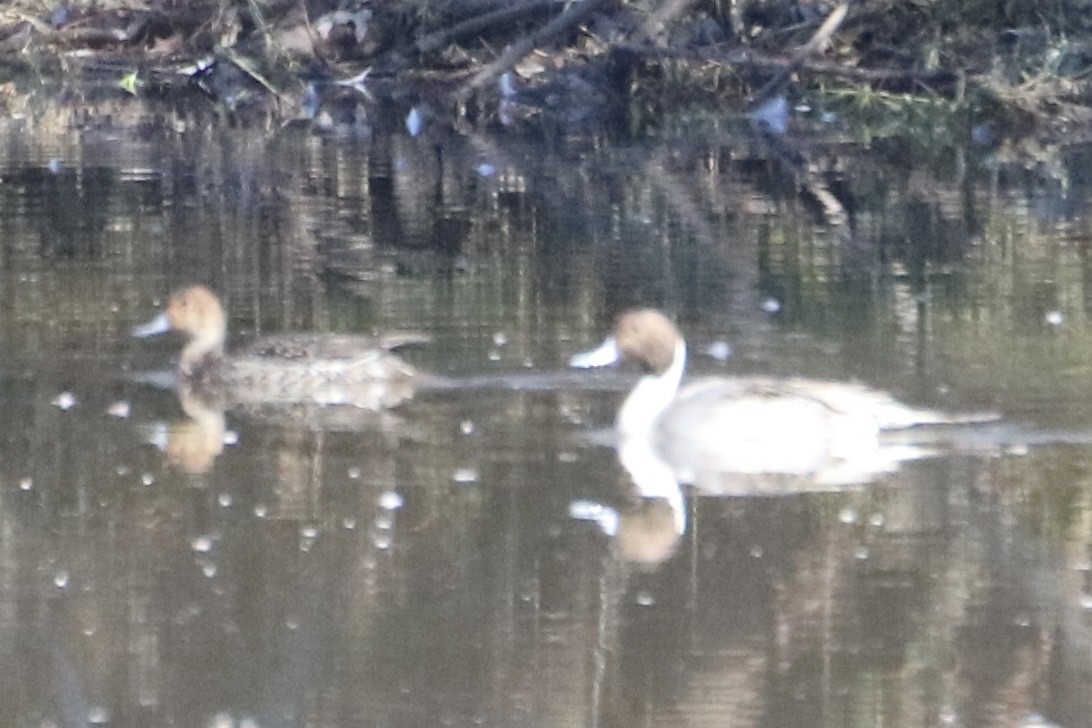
[161, 564]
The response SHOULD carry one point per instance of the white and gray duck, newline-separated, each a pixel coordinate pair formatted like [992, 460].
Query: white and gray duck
[747, 434]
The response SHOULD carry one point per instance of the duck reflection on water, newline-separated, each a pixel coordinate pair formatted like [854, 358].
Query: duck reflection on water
[291, 369]
[191, 444]
[646, 530]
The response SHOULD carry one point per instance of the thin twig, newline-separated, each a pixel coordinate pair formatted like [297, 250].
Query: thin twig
[575, 14]
[816, 43]
[259, 20]
[246, 67]
[435, 41]
[742, 59]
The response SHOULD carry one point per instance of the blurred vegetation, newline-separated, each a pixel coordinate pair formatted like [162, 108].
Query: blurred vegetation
[1017, 64]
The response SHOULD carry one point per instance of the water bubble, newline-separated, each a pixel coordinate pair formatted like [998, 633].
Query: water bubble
[54, 165]
[1085, 601]
[415, 122]
[390, 500]
[467, 427]
[60, 579]
[231, 437]
[1054, 318]
[876, 520]
[201, 544]
[119, 409]
[221, 720]
[123, 470]
[848, 515]
[486, 170]
[382, 541]
[862, 553]
[64, 401]
[354, 473]
[348, 523]
[770, 305]
[567, 456]
[224, 500]
[719, 350]
[757, 551]
[261, 510]
[147, 479]
[25, 484]
[645, 598]
[384, 522]
[308, 535]
[98, 714]
[948, 715]
[208, 569]
[465, 475]
[494, 355]
[500, 338]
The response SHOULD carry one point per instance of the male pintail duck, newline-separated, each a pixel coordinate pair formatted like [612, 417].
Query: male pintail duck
[827, 432]
[321, 369]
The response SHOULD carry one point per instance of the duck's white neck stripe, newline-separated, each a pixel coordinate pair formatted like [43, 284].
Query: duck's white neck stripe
[652, 395]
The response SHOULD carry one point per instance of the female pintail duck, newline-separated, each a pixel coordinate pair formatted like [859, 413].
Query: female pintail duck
[321, 369]
[828, 432]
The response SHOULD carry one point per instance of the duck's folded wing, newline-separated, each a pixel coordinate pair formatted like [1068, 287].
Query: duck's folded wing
[888, 412]
[329, 346]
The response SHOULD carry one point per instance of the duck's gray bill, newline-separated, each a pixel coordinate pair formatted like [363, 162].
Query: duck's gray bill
[159, 325]
[605, 354]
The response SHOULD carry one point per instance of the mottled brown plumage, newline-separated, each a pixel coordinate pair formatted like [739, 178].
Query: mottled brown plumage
[325, 369]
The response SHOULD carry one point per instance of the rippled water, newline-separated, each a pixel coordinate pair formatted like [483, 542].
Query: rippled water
[164, 564]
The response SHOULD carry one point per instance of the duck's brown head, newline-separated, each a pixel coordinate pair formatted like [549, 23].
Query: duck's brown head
[647, 338]
[643, 336]
[197, 313]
